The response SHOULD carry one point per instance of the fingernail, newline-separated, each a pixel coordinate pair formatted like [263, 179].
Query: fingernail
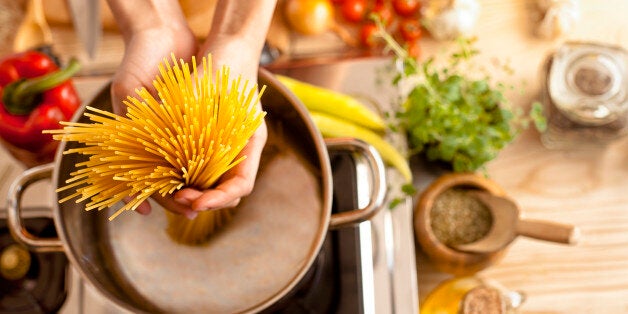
[191, 214]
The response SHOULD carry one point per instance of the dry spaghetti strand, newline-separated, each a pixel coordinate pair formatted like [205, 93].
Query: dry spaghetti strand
[188, 137]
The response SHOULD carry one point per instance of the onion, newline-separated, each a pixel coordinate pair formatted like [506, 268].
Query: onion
[314, 17]
[310, 17]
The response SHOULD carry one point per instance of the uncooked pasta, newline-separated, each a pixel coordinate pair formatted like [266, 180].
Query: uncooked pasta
[188, 137]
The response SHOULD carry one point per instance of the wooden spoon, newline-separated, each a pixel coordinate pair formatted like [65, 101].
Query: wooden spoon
[34, 30]
[507, 225]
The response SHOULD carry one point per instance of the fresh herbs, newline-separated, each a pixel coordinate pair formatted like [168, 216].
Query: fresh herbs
[451, 116]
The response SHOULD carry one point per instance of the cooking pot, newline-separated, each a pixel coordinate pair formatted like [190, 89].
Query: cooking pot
[257, 258]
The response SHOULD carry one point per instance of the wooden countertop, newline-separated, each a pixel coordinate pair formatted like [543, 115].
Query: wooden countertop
[588, 189]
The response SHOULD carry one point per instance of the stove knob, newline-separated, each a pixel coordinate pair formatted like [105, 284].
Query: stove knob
[15, 261]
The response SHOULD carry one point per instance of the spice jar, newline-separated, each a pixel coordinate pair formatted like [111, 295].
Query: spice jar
[436, 229]
[469, 295]
[585, 95]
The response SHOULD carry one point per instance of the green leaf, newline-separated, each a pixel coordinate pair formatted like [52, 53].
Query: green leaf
[452, 116]
[408, 189]
[536, 114]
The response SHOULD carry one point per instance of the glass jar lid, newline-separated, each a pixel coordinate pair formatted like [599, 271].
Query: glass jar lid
[588, 83]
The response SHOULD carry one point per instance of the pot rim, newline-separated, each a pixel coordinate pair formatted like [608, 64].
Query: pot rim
[265, 78]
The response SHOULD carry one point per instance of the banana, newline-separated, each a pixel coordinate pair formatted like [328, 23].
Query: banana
[331, 126]
[333, 103]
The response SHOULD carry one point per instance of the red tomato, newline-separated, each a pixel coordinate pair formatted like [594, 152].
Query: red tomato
[410, 29]
[368, 37]
[406, 7]
[335, 2]
[414, 48]
[384, 12]
[353, 10]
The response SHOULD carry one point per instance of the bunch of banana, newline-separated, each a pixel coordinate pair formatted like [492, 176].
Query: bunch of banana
[340, 115]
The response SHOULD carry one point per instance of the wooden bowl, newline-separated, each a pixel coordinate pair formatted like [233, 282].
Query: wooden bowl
[445, 258]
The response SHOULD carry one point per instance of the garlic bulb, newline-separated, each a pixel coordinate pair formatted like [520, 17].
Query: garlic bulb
[449, 19]
[558, 17]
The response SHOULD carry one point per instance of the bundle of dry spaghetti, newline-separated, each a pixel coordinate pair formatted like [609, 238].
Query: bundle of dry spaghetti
[188, 137]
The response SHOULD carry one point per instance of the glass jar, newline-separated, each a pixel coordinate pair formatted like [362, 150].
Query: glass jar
[585, 95]
[471, 294]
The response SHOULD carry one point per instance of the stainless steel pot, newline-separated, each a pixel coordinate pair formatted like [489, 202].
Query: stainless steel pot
[253, 262]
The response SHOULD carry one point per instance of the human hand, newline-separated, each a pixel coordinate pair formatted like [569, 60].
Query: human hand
[144, 50]
[236, 39]
[238, 181]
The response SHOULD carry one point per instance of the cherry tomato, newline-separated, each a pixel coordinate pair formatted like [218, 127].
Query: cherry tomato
[384, 12]
[368, 37]
[406, 7]
[353, 10]
[410, 29]
[336, 2]
[414, 48]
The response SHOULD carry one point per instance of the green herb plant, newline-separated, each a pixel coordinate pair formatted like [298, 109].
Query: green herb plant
[452, 117]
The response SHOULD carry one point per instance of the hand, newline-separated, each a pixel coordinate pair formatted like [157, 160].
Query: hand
[232, 186]
[144, 51]
[239, 181]
[236, 39]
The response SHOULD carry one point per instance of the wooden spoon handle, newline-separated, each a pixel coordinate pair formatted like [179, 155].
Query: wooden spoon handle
[548, 231]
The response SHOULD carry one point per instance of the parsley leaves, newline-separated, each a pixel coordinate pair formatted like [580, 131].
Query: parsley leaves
[451, 116]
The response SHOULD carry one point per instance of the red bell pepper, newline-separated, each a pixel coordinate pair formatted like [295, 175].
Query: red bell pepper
[36, 96]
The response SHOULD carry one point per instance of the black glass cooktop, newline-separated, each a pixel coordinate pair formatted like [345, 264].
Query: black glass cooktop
[41, 287]
[333, 283]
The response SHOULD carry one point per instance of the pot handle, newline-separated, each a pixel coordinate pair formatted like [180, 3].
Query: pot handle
[14, 211]
[377, 178]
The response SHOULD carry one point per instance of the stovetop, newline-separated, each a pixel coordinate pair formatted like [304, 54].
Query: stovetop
[31, 283]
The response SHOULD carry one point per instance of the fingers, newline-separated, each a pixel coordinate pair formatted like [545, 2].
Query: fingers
[120, 90]
[143, 208]
[227, 194]
[169, 203]
[189, 202]
[174, 206]
[137, 73]
[144, 50]
[235, 184]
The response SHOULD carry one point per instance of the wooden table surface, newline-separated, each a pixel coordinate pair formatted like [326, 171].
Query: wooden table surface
[588, 189]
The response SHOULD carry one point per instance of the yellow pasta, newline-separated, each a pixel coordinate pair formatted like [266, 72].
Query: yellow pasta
[188, 137]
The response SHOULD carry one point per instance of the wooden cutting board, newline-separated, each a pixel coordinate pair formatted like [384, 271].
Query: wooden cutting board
[198, 13]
